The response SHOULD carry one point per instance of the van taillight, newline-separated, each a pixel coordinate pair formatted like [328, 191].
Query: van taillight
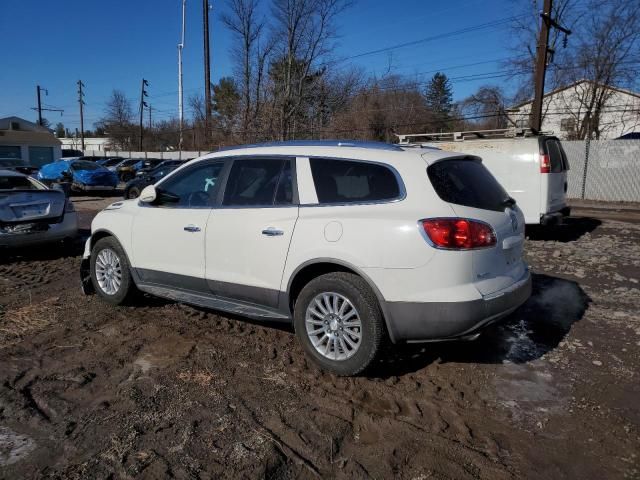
[545, 163]
[458, 233]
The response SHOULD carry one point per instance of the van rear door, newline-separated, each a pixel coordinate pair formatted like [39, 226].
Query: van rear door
[553, 170]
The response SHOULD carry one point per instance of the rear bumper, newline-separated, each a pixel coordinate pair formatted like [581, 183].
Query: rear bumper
[68, 228]
[555, 218]
[434, 321]
[88, 188]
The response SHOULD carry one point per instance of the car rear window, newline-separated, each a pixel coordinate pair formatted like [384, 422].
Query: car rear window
[85, 165]
[467, 182]
[346, 181]
[18, 183]
[557, 157]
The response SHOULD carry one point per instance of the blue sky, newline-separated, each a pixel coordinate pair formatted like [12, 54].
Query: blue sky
[114, 43]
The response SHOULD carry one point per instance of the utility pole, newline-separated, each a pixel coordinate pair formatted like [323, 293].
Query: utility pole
[81, 102]
[542, 49]
[207, 71]
[143, 93]
[180, 91]
[39, 106]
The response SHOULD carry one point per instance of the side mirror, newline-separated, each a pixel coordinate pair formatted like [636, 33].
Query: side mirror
[148, 194]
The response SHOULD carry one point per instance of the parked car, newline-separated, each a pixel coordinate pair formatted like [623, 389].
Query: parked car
[348, 241]
[531, 168]
[133, 188]
[71, 153]
[17, 165]
[83, 175]
[126, 169]
[32, 213]
[143, 169]
[109, 161]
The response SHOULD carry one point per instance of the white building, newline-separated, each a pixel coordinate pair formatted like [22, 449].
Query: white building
[27, 141]
[564, 111]
[90, 143]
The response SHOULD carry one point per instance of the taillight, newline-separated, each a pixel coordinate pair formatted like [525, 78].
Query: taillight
[458, 233]
[545, 163]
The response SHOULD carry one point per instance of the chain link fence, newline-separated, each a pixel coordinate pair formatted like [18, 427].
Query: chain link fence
[606, 170]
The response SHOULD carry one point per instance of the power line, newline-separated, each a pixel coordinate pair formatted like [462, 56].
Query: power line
[432, 38]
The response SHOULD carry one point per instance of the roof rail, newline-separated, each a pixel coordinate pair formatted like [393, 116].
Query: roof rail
[409, 138]
[320, 143]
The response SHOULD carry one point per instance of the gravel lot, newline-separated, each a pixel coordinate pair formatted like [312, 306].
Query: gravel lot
[164, 390]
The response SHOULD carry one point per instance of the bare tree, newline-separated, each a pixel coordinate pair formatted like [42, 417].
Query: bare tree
[242, 19]
[489, 107]
[118, 120]
[524, 35]
[601, 53]
[303, 30]
[607, 45]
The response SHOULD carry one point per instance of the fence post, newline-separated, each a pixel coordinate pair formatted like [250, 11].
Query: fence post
[586, 165]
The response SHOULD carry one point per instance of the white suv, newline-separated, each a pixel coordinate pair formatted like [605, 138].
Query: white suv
[352, 242]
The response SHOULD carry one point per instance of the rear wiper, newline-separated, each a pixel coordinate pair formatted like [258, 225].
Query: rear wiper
[508, 202]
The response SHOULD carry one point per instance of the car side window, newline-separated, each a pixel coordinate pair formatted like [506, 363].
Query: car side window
[192, 188]
[347, 181]
[259, 182]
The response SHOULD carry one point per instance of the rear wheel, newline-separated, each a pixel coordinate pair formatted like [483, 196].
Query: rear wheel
[339, 323]
[110, 272]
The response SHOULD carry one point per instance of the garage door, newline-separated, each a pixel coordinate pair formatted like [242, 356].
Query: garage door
[39, 156]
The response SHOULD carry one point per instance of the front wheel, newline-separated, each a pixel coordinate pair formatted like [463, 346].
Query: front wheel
[339, 323]
[133, 192]
[110, 272]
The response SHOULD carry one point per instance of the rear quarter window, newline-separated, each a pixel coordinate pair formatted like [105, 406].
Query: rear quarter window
[349, 181]
[467, 182]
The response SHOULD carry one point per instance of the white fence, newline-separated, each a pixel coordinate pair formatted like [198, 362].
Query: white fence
[606, 170]
[164, 155]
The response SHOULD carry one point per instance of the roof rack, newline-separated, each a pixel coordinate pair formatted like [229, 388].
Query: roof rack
[409, 138]
[321, 143]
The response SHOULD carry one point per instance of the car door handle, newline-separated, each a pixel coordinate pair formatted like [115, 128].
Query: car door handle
[192, 228]
[272, 232]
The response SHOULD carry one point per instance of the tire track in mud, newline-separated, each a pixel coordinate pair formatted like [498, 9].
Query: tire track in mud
[161, 390]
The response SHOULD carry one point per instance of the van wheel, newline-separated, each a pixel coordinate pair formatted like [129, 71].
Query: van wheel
[339, 323]
[110, 272]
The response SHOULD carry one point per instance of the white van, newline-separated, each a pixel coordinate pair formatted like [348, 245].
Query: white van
[531, 168]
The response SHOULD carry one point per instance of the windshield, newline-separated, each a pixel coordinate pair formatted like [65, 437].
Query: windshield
[19, 183]
[84, 165]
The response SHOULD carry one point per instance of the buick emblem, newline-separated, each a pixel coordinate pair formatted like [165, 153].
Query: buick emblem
[514, 221]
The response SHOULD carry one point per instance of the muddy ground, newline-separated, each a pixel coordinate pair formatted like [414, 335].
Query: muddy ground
[162, 390]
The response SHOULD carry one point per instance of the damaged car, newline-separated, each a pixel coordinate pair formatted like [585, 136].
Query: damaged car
[83, 175]
[32, 213]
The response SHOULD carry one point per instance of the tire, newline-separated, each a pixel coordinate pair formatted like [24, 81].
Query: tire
[339, 329]
[102, 255]
[133, 192]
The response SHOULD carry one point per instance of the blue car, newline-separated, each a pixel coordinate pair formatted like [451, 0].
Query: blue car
[83, 175]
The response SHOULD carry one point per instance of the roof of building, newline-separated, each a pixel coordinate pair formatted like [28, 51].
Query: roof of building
[27, 133]
[571, 85]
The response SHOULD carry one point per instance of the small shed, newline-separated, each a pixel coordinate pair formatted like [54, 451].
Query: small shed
[27, 141]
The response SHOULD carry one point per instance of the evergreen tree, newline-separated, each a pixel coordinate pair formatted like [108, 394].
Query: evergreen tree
[439, 100]
[60, 132]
